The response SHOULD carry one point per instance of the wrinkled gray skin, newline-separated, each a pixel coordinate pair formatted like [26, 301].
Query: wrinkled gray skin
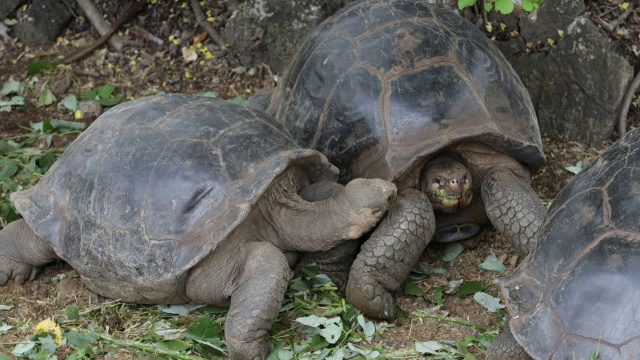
[221, 254]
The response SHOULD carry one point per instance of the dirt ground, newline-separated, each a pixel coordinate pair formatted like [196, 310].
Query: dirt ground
[146, 68]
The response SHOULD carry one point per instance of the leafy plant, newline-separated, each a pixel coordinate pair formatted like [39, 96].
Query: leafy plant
[503, 6]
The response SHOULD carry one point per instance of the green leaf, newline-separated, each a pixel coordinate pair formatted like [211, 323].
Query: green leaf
[104, 92]
[492, 263]
[45, 162]
[489, 302]
[468, 288]
[575, 169]
[72, 312]
[488, 6]
[238, 100]
[211, 94]
[203, 328]
[453, 249]
[367, 326]
[111, 101]
[309, 270]
[24, 348]
[12, 87]
[181, 309]
[437, 295]
[48, 344]
[42, 126]
[64, 125]
[464, 3]
[6, 307]
[40, 66]
[411, 288]
[45, 97]
[504, 6]
[174, 345]
[453, 286]
[15, 101]
[9, 168]
[4, 357]
[212, 309]
[70, 103]
[433, 347]
[527, 5]
[90, 95]
[4, 328]
[81, 339]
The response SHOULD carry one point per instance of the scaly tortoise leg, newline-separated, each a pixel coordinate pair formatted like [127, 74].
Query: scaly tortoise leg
[505, 347]
[22, 253]
[387, 257]
[252, 281]
[514, 209]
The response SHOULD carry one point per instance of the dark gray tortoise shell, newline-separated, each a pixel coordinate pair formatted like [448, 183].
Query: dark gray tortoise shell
[131, 191]
[579, 290]
[382, 84]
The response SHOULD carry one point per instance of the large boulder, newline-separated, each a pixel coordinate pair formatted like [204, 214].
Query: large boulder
[270, 31]
[553, 15]
[8, 6]
[576, 87]
[43, 21]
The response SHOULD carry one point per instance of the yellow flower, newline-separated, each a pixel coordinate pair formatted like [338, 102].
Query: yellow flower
[551, 41]
[561, 33]
[77, 114]
[187, 74]
[49, 326]
[211, 19]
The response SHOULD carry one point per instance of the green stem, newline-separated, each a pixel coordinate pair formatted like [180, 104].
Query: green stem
[455, 321]
[148, 348]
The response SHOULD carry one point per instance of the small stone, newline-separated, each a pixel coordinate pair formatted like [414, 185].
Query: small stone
[91, 109]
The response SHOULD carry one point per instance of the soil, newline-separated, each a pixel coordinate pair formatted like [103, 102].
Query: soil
[145, 68]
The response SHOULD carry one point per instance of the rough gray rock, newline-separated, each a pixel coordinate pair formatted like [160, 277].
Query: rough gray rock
[43, 22]
[553, 15]
[8, 6]
[270, 31]
[577, 88]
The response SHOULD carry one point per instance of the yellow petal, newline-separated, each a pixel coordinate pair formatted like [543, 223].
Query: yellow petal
[77, 114]
[489, 27]
[211, 19]
[551, 41]
[187, 74]
[560, 33]
[503, 26]
[49, 326]
[624, 5]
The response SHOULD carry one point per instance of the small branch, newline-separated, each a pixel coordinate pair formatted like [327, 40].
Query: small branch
[145, 34]
[611, 27]
[626, 103]
[455, 321]
[484, 13]
[98, 22]
[202, 21]
[127, 12]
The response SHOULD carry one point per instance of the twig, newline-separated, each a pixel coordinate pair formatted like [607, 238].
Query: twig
[145, 34]
[202, 21]
[484, 12]
[626, 103]
[129, 10]
[610, 27]
[98, 22]
[455, 321]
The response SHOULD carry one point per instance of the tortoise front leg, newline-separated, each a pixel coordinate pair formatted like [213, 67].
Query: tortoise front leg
[387, 257]
[252, 280]
[22, 253]
[514, 209]
[505, 347]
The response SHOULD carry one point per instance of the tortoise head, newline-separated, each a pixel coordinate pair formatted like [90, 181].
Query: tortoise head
[447, 183]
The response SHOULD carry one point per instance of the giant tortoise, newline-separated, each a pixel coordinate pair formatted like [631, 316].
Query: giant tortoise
[578, 291]
[176, 198]
[412, 93]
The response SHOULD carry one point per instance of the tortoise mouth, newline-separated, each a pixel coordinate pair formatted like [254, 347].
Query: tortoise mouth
[444, 201]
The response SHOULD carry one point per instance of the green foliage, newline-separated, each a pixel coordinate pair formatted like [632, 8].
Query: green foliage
[503, 6]
[40, 66]
[103, 95]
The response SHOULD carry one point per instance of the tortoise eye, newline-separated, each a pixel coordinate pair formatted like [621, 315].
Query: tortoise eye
[438, 181]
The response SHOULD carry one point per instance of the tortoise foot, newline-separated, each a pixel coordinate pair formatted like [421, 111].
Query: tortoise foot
[367, 295]
[17, 271]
